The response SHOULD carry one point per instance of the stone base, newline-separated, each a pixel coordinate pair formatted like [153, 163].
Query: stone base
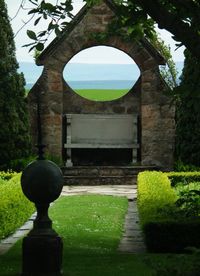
[42, 256]
[102, 175]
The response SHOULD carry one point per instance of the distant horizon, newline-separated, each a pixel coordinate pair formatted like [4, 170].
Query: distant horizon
[89, 72]
[32, 62]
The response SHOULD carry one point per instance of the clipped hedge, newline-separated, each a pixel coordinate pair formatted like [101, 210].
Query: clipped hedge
[184, 177]
[7, 175]
[172, 235]
[154, 195]
[15, 208]
[164, 228]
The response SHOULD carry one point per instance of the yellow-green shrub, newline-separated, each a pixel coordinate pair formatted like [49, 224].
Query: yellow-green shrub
[7, 175]
[154, 195]
[15, 208]
[164, 226]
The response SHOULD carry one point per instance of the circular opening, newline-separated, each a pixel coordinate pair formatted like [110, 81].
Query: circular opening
[101, 73]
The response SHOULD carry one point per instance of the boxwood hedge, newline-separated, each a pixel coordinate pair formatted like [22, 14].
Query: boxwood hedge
[184, 177]
[165, 228]
[15, 208]
[154, 195]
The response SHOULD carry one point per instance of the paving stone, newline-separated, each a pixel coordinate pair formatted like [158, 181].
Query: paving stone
[9, 240]
[132, 240]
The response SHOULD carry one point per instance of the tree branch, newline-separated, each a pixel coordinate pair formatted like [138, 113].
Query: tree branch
[166, 20]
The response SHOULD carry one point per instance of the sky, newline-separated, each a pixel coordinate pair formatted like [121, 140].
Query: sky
[97, 55]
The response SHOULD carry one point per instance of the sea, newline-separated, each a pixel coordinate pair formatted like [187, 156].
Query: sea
[98, 84]
[90, 76]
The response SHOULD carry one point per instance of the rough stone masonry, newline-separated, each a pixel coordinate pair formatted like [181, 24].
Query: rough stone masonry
[147, 99]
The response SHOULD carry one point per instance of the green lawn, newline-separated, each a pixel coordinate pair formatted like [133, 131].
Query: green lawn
[101, 94]
[91, 227]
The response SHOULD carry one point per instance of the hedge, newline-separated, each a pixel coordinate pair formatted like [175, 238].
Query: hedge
[164, 228]
[15, 208]
[172, 236]
[154, 195]
[7, 175]
[184, 177]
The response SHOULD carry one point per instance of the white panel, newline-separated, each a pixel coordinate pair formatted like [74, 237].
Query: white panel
[103, 129]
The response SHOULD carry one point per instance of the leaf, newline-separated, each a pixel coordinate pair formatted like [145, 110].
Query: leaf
[33, 11]
[31, 34]
[27, 45]
[39, 46]
[43, 33]
[33, 47]
[44, 16]
[52, 26]
[48, 6]
[37, 21]
[57, 31]
[32, 1]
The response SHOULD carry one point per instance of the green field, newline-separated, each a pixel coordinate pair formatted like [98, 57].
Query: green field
[101, 94]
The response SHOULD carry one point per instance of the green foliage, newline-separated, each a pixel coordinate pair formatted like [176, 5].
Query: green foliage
[15, 208]
[168, 71]
[136, 16]
[168, 224]
[183, 177]
[189, 198]
[15, 140]
[19, 164]
[179, 166]
[7, 175]
[154, 195]
[57, 17]
[54, 158]
[188, 113]
[172, 235]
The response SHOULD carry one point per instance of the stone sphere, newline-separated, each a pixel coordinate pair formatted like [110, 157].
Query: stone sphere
[42, 181]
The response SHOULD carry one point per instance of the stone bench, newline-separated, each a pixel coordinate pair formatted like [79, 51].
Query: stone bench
[101, 131]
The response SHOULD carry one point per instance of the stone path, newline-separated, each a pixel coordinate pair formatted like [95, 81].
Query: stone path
[130, 191]
[131, 242]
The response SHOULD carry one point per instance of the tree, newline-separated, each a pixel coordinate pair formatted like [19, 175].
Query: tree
[188, 113]
[180, 17]
[15, 140]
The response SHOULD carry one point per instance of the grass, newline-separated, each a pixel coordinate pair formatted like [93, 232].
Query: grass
[90, 224]
[101, 94]
[91, 227]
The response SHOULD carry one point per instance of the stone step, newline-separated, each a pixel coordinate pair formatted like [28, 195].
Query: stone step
[99, 180]
[105, 170]
[103, 175]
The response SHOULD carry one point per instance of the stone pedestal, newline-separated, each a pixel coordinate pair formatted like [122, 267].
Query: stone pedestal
[42, 256]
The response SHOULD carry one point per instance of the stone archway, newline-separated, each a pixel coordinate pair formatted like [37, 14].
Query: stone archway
[157, 118]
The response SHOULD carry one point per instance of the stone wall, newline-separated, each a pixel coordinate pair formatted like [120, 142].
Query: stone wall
[128, 104]
[146, 98]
